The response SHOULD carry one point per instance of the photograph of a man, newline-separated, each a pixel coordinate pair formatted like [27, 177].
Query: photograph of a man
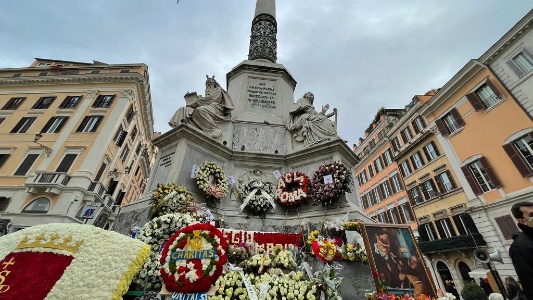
[387, 258]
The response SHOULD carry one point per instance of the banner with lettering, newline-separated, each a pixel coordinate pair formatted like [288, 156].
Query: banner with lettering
[263, 240]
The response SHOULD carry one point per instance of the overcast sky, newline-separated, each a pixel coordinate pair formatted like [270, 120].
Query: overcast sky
[355, 55]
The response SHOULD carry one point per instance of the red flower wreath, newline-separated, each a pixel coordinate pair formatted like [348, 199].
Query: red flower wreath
[292, 189]
[193, 275]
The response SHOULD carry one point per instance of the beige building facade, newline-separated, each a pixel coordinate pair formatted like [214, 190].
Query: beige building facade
[72, 134]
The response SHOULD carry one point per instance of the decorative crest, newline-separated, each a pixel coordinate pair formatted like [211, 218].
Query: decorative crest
[53, 242]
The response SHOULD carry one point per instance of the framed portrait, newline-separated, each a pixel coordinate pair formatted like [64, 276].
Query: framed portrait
[396, 260]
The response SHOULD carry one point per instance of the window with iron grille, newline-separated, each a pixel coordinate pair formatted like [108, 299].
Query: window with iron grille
[44, 102]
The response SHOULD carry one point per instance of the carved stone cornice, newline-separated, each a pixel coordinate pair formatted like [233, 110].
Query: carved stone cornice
[263, 41]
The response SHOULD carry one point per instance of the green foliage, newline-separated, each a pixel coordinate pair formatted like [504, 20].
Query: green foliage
[472, 291]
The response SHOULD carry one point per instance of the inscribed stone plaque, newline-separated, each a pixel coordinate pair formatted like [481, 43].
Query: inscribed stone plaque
[163, 167]
[261, 96]
[259, 138]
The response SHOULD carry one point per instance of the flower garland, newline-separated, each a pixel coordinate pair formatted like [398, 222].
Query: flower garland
[212, 180]
[193, 258]
[259, 196]
[170, 198]
[53, 261]
[330, 182]
[292, 189]
[155, 233]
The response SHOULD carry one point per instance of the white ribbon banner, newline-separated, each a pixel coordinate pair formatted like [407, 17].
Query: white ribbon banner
[249, 287]
[252, 193]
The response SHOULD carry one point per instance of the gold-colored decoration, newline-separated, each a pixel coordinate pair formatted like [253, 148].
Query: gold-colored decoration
[196, 242]
[41, 242]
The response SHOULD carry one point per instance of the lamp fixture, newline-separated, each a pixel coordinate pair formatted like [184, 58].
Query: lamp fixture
[47, 149]
[116, 172]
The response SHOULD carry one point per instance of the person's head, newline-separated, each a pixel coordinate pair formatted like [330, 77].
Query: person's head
[413, 262]
[309, 96]
[523, 213]
[512, 286]
[496, 296]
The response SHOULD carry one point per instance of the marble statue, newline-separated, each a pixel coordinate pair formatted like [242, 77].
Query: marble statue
[307, 125]
[205, 112]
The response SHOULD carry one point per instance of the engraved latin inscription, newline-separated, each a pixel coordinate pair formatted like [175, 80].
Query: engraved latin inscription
[261, 96]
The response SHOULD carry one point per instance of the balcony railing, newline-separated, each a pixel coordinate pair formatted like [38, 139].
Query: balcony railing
[51, 178]
[461, 242]
[97, 188]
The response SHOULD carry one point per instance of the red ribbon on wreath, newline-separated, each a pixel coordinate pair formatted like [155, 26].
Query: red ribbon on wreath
[325, 250]
[186, 266]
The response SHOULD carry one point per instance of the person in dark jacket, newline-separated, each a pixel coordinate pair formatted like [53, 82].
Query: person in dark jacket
[514, 291]
[521, 250]
[485, 285]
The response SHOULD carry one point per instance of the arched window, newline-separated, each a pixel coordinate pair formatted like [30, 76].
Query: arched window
[39, 205]
[464, 269]
[444, 272]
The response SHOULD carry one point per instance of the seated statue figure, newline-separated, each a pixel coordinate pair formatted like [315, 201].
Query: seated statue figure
[205, 112]
[307, 125]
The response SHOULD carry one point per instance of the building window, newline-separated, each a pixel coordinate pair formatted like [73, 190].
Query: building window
[428, 228]
[66, 163]
[444, 226]
[130, 114]
[393, 215]
[23, 125]
[381, 135]
[378, 164]
[405, 168]
[39, 205]
[44, 102]
[484, 97]
[395, 144]
[370, 171]
[372, 143]
[42, 65]
[406, 135]
[480, 176]
[2, 119]
[387, 157]
[418, 124]
[507, 226]
[90, 124]
[395, 183]
[431, 151]
[381, 217]
[522, 63]
[3, 158]
[134, 133]
[405, 212]
[385, 189]
[103, 101]
[417, 161]
[125, 153]
[54, 125]
[124, 71]
[521, 153]
[70, 102]
[414, 196]
[459, 224]
[120, 136]
[377, 196]
[450, 123]
[445, 182]
[13, 103]
[26, 164]
[428, 189]
[363, 177]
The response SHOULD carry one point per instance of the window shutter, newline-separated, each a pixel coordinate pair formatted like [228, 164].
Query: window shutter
[490, 172]
[471, 180]
[389, 186]
[458, 119]
[450, 177]
[426, 153]
[17, 127]
[112, 186]
[66, 163]
[415, 127]
[63, 122]
[48, 124]
[425, 192]
[372, 197]
[440, 186]
[442, 127]
[436, 149]
[440, 229]
[83, 124]
[518, 160]
[494, 89]
[412, 158]
[393, 144]
[26, 164]
[510, 63]
[421, 158]
[380, 192]
[376, 165]
[98, 121]
[401, 170]
[3, 158]
[507, 226]
[409, 130]
[476, 102]
[404, 138]
[120, 196]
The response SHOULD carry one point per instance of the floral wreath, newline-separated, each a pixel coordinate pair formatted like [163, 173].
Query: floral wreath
[330, 182]
[196, 274]
[170, 198]
[292, 189]
[259, 196]
[212, 180]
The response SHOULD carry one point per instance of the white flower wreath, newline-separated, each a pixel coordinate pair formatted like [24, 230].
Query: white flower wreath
[259, 196]
[212, 180]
